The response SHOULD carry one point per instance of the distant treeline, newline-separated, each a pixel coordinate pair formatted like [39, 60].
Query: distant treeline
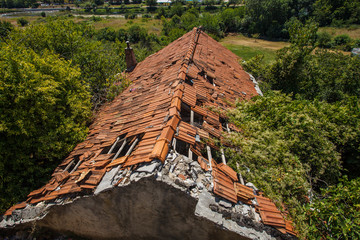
[265, 17]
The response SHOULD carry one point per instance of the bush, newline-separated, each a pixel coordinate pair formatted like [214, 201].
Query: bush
[108, 34]
[161, 12]
[43, 14]
[324, 39]
[22, 22]
[146, 16]
[137, 34]
[356, 44]
[5, 29]
[95, 19]
[342, 42]
[130, 15]
[176, 9]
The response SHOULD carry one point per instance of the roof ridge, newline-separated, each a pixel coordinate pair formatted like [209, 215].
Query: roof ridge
[189, 54]
[161, 146]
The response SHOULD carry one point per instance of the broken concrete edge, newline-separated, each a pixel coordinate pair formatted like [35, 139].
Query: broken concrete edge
[179, 172]
[256, 84]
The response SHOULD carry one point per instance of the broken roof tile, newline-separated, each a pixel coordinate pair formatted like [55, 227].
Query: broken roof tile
[228, 171]
[160, 150]
[224, 186]
[244, 193]
[167, 133]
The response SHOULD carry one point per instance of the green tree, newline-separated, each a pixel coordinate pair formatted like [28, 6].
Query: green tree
[285, 73]
[209, 3]
[176, 9]
[5, 29]
[22, 22]
[325, 75]
[233, 2]
[231, 19]
[44, 109]
[98, 62]
[211, 24]
[269, 17]
[99, 2]
[151, 3]
[335, 213]
[291, 148]
[335, 11]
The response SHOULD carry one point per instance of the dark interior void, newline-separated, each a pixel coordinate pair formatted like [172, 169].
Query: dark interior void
[185, 112]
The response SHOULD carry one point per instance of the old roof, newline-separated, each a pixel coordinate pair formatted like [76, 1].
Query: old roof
[170, 98]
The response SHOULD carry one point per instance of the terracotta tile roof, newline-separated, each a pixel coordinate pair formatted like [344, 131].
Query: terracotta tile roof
[141, 123]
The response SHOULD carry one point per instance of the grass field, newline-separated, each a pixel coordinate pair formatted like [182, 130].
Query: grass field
[13, 20]
[112, 21]
[247, 48]
[152, 25]
[353, 31]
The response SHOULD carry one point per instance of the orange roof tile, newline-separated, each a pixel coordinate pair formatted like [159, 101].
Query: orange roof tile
[228, 171]
[224, 186]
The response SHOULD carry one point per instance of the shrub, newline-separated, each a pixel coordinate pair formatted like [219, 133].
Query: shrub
[108, 34]
[356, 44]
[161, 12]
[136, 34]
[5, 29]
[324, 39]
[130, 16]
[146, 16]
[343, 42]
[95, 19]
[22, 22]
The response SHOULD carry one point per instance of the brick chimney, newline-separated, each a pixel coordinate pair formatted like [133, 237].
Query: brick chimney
[130, 58]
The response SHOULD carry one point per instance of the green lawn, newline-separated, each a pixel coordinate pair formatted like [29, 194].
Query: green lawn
[248, 52]
[247, 48]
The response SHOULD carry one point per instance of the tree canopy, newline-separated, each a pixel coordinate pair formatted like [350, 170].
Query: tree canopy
[44, 110]
[295, 143]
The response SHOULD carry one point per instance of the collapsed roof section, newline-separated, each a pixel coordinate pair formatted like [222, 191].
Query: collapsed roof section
[166, 107]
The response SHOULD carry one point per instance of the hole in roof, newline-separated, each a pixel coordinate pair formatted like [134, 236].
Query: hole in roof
[185, 112]
[216, 155]
[74, 165]
[210, 79]
[115, 146]
[127, 146]
[106, 149]
[224, 123]
[195, 157]
[189, 81]
[198, 120]
[223, 62]
[200, 100]
[182, 147]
